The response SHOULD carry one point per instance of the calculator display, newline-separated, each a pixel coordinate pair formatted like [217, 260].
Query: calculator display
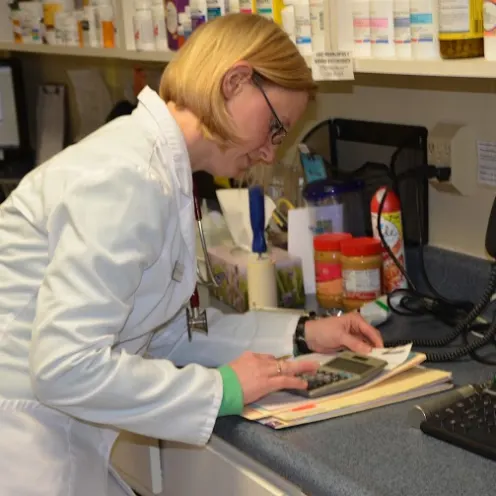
[349, 366]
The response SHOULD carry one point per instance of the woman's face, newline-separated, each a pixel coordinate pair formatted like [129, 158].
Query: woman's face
[262, 114]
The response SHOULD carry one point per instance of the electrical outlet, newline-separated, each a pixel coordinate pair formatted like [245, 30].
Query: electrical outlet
[453, 145]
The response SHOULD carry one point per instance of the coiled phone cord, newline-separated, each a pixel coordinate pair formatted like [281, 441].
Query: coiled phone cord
[461, 328]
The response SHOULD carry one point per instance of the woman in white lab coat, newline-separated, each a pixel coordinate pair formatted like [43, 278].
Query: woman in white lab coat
[97, 263]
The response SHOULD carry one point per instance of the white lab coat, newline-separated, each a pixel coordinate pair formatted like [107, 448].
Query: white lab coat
[97, 249]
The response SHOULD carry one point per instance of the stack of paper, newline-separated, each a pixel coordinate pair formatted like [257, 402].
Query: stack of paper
[402, 379]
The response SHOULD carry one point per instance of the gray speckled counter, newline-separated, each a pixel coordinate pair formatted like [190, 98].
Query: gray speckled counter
[376, 453]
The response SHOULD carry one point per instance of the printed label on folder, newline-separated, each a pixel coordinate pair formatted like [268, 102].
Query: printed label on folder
[332, 66]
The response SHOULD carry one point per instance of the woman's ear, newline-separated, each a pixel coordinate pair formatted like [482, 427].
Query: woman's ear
[235, 79]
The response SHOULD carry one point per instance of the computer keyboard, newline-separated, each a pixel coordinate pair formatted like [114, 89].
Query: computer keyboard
[469, 423]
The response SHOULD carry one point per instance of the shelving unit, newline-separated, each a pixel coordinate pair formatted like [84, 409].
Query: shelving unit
[109, 53]
[469, 68]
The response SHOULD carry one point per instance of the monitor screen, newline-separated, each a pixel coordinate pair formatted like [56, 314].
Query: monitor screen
[9, 127]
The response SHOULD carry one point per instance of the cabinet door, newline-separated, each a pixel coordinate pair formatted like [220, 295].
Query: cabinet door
[137, 459]
[218, 469]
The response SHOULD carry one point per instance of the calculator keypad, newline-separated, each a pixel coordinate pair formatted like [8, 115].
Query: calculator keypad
[323, 378]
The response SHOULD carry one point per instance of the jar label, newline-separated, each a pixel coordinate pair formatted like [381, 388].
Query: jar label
[362, 284]
[460, 19]
[329, 282]
[325, 271]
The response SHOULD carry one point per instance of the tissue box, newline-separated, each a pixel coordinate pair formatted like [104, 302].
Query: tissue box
[229, 266]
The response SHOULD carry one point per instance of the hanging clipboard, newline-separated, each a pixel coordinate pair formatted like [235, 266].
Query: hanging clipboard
[51, 119]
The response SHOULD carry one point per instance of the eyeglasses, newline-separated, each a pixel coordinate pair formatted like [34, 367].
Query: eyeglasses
[277, 130]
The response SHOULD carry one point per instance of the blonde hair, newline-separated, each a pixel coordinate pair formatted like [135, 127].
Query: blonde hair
[193, 80]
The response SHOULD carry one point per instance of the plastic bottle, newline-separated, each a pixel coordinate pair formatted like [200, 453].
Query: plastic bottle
[159, 26]
[382, 29]
[461, 29]
[106, 21]
[247, 6]
[392, 231]
[402, 29]
[144, 39]
[317, 25]
[361, 28]
[424, 29]
[199, 13]
[302, 26]
[490, 29]
[271, 9]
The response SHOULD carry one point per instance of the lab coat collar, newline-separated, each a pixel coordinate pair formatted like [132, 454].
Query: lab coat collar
[172, 137]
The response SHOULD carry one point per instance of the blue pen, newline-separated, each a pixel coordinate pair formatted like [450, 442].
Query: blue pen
[257, 219]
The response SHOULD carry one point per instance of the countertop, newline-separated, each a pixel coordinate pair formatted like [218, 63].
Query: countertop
[373, 453]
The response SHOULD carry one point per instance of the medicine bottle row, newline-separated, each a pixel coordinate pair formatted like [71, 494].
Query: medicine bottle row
[60, 23]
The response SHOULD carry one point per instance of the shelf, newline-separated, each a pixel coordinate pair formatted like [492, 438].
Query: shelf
[469, 68]
[109, 53]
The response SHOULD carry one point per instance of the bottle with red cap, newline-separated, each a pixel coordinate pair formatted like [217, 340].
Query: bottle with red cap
[392, 231]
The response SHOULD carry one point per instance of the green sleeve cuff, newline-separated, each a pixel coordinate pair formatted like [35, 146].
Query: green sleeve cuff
[232, 396]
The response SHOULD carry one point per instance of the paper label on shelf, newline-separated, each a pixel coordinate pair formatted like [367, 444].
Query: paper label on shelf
[332, 66]
[486, 162]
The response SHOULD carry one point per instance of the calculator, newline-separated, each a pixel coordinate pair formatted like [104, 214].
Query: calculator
[345, 371]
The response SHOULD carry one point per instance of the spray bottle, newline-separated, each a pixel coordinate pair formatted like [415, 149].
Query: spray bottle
[392, 232]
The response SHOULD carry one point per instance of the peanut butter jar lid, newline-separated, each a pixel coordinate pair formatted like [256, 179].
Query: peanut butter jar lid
[361, 247]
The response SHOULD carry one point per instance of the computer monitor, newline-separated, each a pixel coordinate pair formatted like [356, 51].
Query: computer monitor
[14, 134]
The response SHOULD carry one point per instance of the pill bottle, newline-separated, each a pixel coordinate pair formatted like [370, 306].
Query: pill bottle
[328, 274]
[361, 262]
[144, 39]
[106, 20]
[461, 29]
[159, 25]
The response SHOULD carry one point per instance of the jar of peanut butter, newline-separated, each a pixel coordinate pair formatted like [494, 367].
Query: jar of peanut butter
[361, 262]
[328, 276]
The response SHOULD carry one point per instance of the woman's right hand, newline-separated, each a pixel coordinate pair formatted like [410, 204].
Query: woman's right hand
[260, 374]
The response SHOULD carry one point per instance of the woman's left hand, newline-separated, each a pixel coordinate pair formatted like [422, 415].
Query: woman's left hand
[349, 331]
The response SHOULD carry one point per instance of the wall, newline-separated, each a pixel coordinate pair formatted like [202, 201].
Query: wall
[456, 223]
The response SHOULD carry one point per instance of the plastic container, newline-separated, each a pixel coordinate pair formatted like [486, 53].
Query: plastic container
[392, 232]
[361, 262]
[424, 29]
[361, 28]
[328, 273]
[159, 27]
[337, 206]
[144, 39]
[461, 29]
[382, 29]
[106, 22]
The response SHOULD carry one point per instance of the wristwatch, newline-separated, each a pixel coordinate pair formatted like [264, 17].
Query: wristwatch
[299, 340]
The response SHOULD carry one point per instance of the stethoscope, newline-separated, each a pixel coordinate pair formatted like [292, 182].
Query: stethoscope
[196, 316]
